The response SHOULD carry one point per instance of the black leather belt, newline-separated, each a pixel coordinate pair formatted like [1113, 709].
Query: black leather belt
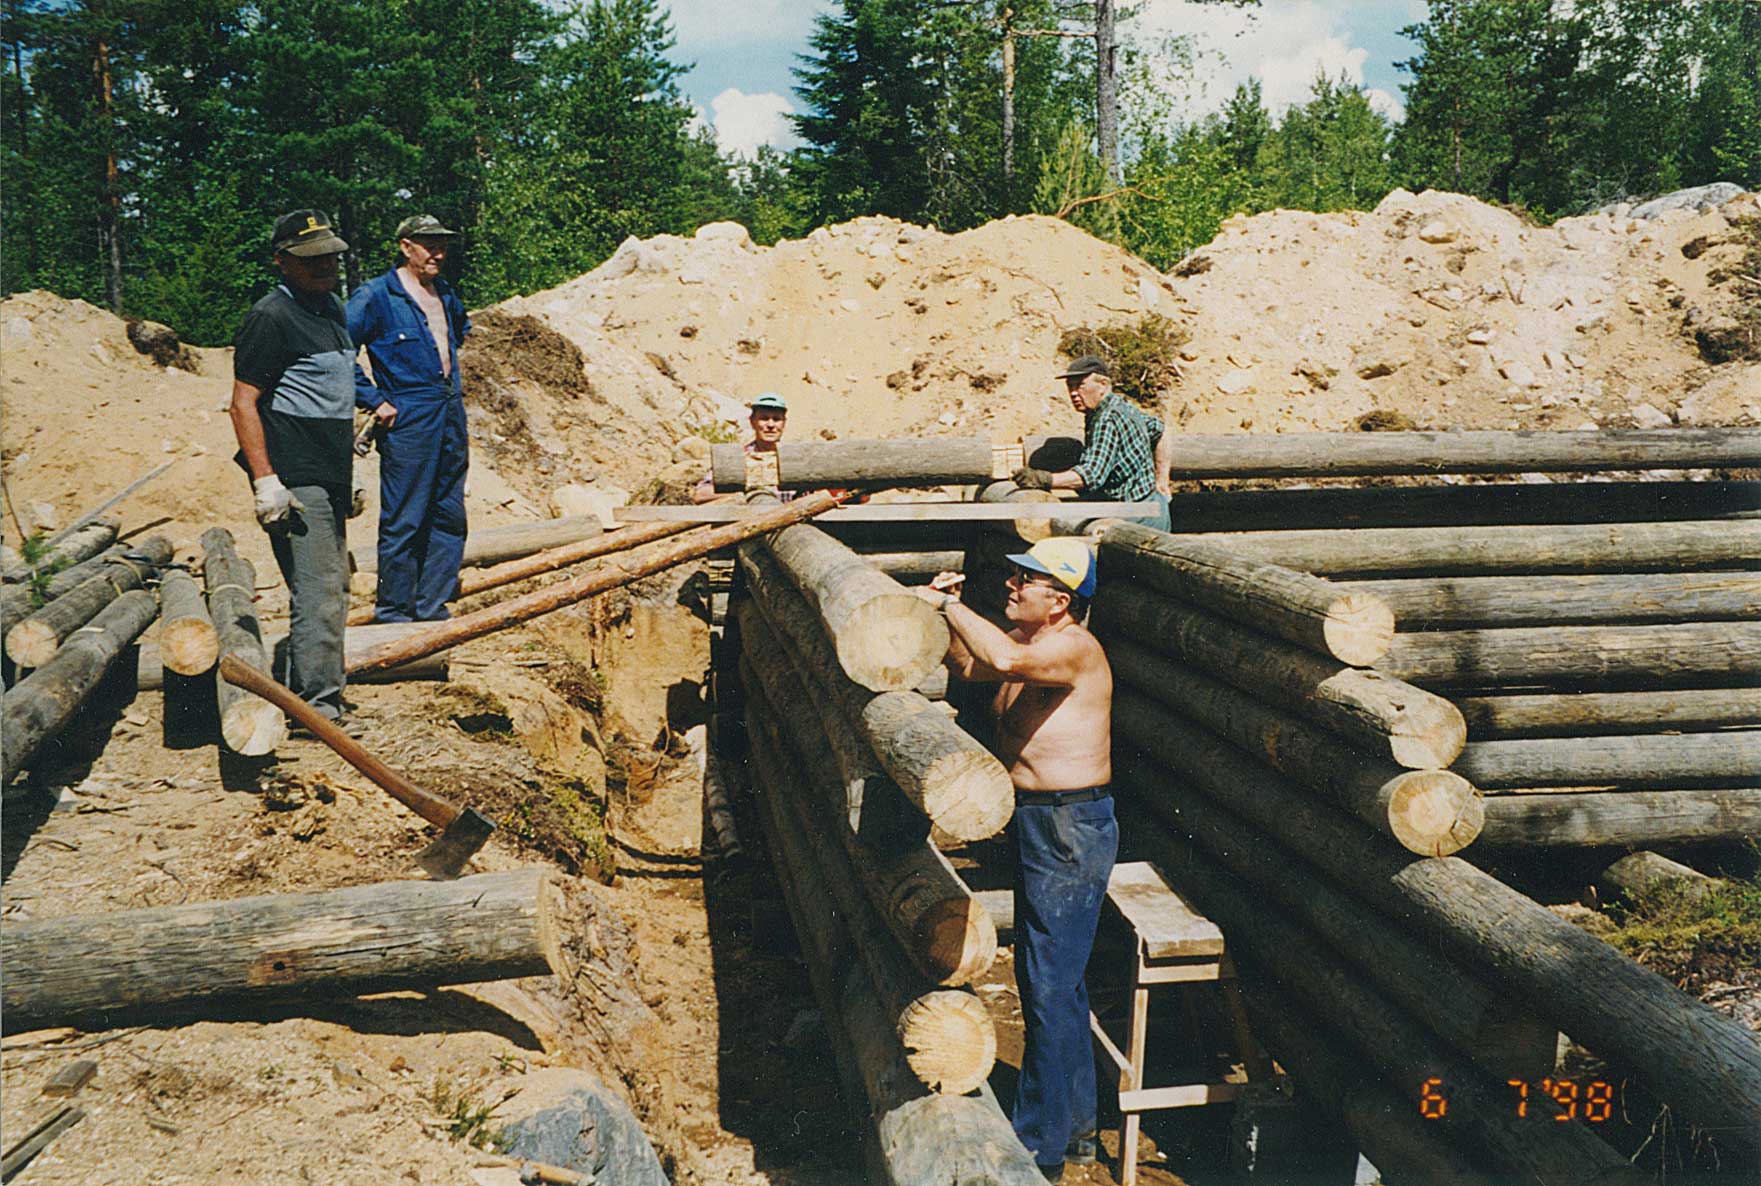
[1060, 798]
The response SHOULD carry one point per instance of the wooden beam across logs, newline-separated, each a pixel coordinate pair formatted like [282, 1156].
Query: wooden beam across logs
[507, 541]
[1384, 716]
[1029, 531]
[188, 642]
[1361, 454]
[1600, 599]
[40, 705]
[885, 638]
[1658, 760]
[1592, 714]
[1494, 551]
[1704, 1065]
[105, 970]
[78, 546]
[934, 918]
[1399, 1047]
[1535, 656]
[33, 641]
[1433, 812]
[248, 725]
[946, 1034]
[1475, 1018]
[900, 515]
[956, 783]
[923, 461]
[1266, 595]
[1626, 819]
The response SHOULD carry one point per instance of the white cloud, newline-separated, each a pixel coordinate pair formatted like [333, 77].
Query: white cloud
[743, 122]
[1387, 104]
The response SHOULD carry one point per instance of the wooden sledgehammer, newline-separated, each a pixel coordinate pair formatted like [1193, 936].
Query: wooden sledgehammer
[464, 829]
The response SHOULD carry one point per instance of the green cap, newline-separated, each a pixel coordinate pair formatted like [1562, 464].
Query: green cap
[424, 226]
[306, 232]
[772, 400]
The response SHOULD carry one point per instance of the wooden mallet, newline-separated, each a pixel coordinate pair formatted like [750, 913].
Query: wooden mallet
[463, 829]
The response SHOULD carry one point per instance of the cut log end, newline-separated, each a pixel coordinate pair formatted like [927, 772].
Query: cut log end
[550, 910]
[1434, 813]
[31, 644]
[252, 728]
[189, 646]
[1428, 731]
[1358, 629]
[971, 796]
[891, 644]
[949, 1041]
[958, 940]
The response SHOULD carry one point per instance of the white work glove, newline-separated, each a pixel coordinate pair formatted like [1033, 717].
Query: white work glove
[357, 499]
[274, 502]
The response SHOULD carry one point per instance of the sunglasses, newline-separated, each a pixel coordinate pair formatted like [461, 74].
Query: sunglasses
[1027, 576]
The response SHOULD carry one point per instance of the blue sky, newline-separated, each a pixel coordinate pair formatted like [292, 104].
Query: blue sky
[741, 79]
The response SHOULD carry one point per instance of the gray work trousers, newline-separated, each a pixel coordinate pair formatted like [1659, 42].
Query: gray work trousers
[313, 554]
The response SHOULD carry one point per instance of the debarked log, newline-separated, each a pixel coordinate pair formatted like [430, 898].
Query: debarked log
[1704, 1065]
[1535, 656]
[1666, 760]
[1384, 716]
[40, 705]
[1600, 599]
[508, 541]
[356, 641]
[32, 641]
[106, 970]
[926, 461]
[76, 546]
[1631, 819]
[248, 725]
[1263, 592]
[1492, 551]
[1433, 812]
[188, 642]
[1589, 714]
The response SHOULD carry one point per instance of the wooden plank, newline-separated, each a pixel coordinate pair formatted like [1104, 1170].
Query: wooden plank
[1186, 1095]
[896, 512]
[1167, 923]
[70, 1078]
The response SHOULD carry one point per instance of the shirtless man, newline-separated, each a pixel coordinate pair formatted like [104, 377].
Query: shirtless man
[1054, 706]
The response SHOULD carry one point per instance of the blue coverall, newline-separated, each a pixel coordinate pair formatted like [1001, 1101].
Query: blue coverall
[424, 455]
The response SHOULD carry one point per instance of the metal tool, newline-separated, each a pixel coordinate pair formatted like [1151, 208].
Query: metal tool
[365, 438]
[464, 829]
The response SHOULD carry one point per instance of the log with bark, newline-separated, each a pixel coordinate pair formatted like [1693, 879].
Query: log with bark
[248, 725]
[1264, 594]
[641, 562]
[1494, 551]
[105, 970]
[925, 461]
[1704, 1065]
[1448, 998]
[1590, 714]
[934, 918]
[1601, 599]
[1354, 454]
[509, 541]
[473, 581]
[1483, 504]
[1434, 812]
[886, 639]
[356, 641]
[1639, 875]
[40, 705]
[1029, 531]
[1678, 760]
[32, 641]
[956, 783]
[1478, 1116]
[18, 601]
[74, 547]
[188, 642]
[1384, 716]
[1726, 653]
[946, 1034]
[1628, 819]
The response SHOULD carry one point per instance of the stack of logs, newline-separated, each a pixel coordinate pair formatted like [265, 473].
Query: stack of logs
[851, 768]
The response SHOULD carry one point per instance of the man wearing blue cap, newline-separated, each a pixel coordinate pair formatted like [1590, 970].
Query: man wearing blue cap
[1054, 708]
[770, 415]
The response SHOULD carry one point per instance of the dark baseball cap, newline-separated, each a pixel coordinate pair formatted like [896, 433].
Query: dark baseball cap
[1088, 364]
[306, 232]
[424, 226]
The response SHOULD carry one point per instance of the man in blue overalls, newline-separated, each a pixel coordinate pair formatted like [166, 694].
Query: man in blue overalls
[411, 324]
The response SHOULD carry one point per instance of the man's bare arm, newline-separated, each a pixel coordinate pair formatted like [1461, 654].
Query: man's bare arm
[247, 426]
[1165, 460]
[1054, 661]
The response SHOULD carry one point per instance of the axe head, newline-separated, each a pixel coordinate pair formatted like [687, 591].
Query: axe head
[447, 856]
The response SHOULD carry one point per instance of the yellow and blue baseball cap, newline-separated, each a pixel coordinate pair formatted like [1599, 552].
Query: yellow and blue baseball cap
[1063, 558]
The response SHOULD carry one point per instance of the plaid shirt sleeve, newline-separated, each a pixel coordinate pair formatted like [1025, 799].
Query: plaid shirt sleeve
[1117, 457]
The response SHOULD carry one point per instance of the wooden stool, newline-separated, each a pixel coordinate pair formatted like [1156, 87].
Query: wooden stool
[1173, 944]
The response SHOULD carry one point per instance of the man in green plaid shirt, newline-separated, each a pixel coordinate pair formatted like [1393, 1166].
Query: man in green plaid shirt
[1125, 452]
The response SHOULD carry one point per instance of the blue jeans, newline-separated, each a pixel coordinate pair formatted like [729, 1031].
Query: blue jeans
[422, 464]
[1159, 518]
[1064, 856]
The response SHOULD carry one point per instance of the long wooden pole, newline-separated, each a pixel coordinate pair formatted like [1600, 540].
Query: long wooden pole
[1592, 714]
[1601, 599]
[1626, 819]
[1726, 653]
[477, 580]
[493, 545]
[1658, 760]
[924, 461]
[612, 575]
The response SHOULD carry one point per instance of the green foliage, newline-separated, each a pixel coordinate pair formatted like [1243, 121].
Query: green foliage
[466, 1116]
[1145, 356]
[1675, 925]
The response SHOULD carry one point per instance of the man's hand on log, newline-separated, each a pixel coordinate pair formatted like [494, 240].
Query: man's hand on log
[942, 589]
[1029, 478]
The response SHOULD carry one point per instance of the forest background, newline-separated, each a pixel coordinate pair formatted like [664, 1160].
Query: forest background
[145, 145]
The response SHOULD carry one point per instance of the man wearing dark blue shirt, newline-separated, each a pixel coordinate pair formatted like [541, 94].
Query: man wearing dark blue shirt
[411, 324]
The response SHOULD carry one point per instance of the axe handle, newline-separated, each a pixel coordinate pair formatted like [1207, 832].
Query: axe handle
[426, 804]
